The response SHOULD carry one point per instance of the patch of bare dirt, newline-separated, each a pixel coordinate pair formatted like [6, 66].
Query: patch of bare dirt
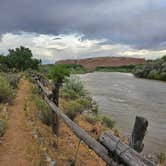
[18, 137]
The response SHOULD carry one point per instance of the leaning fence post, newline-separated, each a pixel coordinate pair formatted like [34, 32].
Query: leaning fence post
[138, 133]
[55, 118]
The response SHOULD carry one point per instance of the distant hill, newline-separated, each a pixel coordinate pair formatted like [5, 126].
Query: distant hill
[92, 63]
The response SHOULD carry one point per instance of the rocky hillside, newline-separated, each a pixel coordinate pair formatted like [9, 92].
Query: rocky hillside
[103, 61]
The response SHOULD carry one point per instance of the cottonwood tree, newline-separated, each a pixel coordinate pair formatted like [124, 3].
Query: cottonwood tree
[21, 59]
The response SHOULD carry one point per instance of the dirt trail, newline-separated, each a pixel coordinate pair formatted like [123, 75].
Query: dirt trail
[13, 149]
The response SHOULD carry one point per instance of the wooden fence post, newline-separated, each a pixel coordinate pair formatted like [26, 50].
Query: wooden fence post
[138, 133]
[55, 120]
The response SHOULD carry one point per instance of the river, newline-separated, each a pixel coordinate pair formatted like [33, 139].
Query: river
[122, 97]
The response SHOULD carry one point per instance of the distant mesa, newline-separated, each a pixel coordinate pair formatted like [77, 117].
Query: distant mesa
[92, 63]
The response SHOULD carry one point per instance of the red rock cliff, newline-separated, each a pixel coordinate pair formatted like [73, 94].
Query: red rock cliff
[103, 61]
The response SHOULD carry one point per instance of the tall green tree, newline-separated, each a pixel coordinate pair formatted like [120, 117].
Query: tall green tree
[21, 59]
[3, 66]
[58, 73]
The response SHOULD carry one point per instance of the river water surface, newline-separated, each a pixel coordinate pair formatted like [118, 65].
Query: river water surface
[122, 96]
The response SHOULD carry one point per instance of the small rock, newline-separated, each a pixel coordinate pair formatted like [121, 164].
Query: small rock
[35, 136]
[52, 163]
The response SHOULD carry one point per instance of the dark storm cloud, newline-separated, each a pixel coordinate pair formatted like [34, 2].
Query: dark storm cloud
[140, 24]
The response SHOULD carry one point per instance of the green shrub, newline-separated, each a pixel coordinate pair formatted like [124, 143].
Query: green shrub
[13, 80]
[73, 88]
[138, 72]
[71, 113]
[161, 157]
[89, 104]
[3, 126]
[152, 69]
[92, 119]
[108, 122]
[94, 108]
[117, 132]
[85, 102]
[69, 94]
[34, 89]
[45, 113]
[127, 68]
[3, 68]
[76, 69]
[1, 107]
[72, 109]
[152, 74]
[6, 91]
[163, 76]
[78, 98]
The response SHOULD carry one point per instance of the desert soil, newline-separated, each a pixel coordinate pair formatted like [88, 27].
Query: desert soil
[13, 147]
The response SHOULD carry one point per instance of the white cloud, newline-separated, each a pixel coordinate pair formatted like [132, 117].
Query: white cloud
[51, 48]
[148, 54]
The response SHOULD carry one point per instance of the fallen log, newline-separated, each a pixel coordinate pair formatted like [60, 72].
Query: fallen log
[122, 151]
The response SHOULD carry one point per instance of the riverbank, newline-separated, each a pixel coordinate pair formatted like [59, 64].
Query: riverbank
[122, 69]
[79, 69]
[152, 69]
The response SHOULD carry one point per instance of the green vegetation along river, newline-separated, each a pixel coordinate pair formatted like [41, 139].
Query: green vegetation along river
[123, 96]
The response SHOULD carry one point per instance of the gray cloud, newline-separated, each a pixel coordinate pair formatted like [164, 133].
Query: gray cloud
[51, 48]
[140, 24]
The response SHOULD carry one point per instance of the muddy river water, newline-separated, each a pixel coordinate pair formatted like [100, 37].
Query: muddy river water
[122, 96]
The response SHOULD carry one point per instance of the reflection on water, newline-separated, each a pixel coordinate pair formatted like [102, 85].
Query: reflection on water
[123, 96]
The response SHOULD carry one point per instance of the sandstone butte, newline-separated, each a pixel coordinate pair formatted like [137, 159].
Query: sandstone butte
[92, 63]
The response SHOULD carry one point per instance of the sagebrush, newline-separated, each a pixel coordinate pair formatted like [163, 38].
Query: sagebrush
[6, 91]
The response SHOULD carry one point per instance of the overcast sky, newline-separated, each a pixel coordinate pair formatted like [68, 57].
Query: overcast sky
[60, 29]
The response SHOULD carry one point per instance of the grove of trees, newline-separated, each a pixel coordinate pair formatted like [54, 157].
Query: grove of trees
[18, 59]
[152, 69]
